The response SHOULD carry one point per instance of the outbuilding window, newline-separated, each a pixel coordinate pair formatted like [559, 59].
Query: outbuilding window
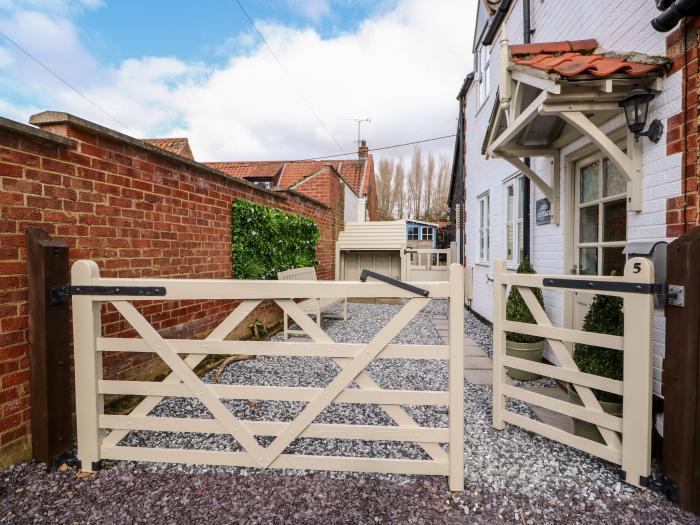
[413, 233]
[427, 233]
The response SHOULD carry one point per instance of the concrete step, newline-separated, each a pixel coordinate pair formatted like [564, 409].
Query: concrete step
[478, 377]
[478, 363]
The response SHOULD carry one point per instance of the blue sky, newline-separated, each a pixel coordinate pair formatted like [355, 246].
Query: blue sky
[196, 69]
[199, 30]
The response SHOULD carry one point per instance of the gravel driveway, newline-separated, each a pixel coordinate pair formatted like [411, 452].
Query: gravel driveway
[511, 476]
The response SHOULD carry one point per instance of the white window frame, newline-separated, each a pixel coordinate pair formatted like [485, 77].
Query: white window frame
[483, 203]
[484, 67]
[412, 228]
[517, 183]
[426, 233]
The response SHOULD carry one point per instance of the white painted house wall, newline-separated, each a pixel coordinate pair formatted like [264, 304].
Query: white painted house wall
[621, 25]
[352, 205]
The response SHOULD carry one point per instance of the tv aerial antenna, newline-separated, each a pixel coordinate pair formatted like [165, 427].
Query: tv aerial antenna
[359, 126]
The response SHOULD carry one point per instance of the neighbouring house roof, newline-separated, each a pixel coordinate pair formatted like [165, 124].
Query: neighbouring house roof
[249, 169]
[576, 58]
[177, 145]
[289, 173]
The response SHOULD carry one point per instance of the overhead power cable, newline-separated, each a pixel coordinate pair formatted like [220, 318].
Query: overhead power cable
[322, 157]
[59, 77]
[289, 77]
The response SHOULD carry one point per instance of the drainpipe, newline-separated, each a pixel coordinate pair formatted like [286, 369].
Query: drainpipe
[673, 12]
[527, 31]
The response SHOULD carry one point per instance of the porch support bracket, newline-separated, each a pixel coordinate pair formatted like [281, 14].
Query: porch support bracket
[545, 188]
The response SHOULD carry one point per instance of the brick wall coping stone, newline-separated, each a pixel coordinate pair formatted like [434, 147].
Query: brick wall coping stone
[31, 131]
[48, 118]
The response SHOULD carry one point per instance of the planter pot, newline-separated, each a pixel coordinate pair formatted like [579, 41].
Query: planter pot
[529, 351]
[586, 429]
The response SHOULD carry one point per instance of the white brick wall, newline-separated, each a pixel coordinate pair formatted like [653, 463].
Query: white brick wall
[621, 25]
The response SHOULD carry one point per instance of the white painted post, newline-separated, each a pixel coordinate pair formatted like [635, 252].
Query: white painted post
[637, 380]
[499, 343]
[89, 405]
[456, 367]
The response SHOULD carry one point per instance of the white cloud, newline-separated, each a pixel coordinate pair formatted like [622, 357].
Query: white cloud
[314, 9]
[403, 68]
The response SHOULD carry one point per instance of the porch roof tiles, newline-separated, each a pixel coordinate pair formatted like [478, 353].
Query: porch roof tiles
[584, 57]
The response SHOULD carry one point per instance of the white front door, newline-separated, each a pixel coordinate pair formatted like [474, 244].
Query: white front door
[600, 224]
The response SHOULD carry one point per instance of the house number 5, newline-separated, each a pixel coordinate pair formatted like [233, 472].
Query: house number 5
[637, 267]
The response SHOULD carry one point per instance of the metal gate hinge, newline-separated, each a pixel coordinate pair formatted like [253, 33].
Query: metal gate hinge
[676, 295]
[663, 484]
[61, 294]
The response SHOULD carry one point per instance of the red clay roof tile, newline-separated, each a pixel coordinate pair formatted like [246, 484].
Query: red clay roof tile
[179, 145]
[571, 58]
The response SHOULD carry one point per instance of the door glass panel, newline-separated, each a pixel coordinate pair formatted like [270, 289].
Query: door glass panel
[614, 221]
[588, 224]
[590, 183]
[588, 261]
[614, 182]
[613, 261]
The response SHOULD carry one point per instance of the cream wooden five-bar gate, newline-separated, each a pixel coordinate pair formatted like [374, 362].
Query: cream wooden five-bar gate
[627, 438]
[99, 434]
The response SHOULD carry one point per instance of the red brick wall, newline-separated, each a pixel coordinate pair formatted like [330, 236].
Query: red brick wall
[136, 211]
[682, 129]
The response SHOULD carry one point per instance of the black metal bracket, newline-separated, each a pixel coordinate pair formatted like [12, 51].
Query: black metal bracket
[394, 282]
[607, 286]
[663, 484]
[61, 294]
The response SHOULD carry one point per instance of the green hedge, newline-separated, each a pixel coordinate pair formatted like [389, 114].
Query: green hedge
[266, 240]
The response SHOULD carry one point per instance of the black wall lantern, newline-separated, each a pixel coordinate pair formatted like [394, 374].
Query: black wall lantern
[636, 106]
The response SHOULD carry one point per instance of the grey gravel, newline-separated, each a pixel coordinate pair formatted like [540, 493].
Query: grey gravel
[510, 475]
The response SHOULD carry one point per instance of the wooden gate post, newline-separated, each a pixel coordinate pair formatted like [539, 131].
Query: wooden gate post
[681, 373]
[456, 378]
[637, 381]
[49, 350]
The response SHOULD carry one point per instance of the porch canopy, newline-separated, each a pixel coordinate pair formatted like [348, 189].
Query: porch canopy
[551, 94]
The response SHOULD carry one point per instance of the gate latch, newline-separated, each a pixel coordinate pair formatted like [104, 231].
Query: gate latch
[676, 295]
[394, 282]
[61, 294]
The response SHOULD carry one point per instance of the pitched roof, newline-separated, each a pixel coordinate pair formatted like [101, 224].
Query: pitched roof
[584, 57]
[248, 169]
[178, 145]
[291, 172]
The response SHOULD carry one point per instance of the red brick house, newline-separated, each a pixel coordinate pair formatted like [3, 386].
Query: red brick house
[315, 179]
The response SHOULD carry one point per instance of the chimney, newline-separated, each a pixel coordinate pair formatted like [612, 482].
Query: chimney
[363, 151]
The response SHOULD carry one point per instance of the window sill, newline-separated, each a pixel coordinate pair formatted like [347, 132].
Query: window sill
[482, 263]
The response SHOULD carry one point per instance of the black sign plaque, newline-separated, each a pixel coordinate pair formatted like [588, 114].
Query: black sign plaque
[544, 212]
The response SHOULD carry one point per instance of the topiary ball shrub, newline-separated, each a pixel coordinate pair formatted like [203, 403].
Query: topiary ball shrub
[605, 316]
[517, 310]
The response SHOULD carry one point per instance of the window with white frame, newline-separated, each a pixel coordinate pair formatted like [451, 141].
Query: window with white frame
[484, 225]
[483, 59]
[413, 233]
[427, 233]
[514, 215]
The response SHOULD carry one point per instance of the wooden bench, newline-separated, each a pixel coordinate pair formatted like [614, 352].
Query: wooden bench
[313, 306]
